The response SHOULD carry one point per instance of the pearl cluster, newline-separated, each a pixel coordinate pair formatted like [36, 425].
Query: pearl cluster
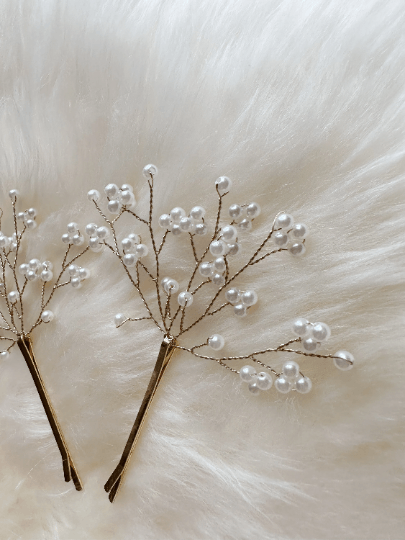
[177, 222]
[241, 300]
[243, 215]
[28, 218]
[73, 236]
[97, 235]
[312, 335]
[8, 242]
[117, 197]
[133, 249]
[290, 234]
[77, 275]
[227, 243]
[34, 270]
[289, 379]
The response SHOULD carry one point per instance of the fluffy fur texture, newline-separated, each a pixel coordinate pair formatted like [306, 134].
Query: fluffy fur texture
[302, 105]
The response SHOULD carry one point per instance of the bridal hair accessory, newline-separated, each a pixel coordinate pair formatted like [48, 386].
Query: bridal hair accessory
[19, 283]
[212, 265]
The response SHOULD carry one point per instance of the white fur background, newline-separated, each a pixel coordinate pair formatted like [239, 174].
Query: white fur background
[302, 105]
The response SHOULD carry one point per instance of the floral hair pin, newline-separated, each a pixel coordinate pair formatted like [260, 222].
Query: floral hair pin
[24, 284]
[216, 265]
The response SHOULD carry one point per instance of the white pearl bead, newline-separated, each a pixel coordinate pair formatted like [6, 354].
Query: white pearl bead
[249, 298]
[205, 269]
[232, 296]
[185, 299]
[91, 229]
[84, 273]
[223, 184]
[127, 197]
[34, 264]
[234, 249]
[127, 187]
[114, 206]
[264, 381]
[310, 344]
[254, 389]
[31, 275]
[220, 265]
[77, 240]
[31, 213]
[72, 227]
[130, 259]
[301, 327]
[23, 269]
[30, 224]
[111, 190]
[47, 316]
[245, 225]
[165, 221]
[65, 238]
[247, 374]
[127, 244]
[177, 213]
[13, 297]
[175, 228]
[4, 242]
[280, 238]
[13, 246]
[186, 224]
[229, 233]
[46, 275]
[303, 385]
[344, 360]
[21, 216]
[218, 279]
[197, 212]
[201, 229]
[253, 210]
[164, 281]
[119, 319]
[13, 194]
[216, 342]
[102, 233]
[291, 369]
[135, 238]
[239, 310]
[75, 282]
[284, 221]
[47, 265]
[4, 355]
[235, 211]
[141, 250]
[282, 385]
[93, 195]
[320, 331]
[171, 286]
[73, 270]
[297, 249]
[149, 170]
[217, 248]
[299, 231]
[94, 242]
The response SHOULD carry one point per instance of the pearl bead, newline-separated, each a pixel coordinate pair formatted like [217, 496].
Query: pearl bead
[205, 269]
[186, 224]
[34, 264]
[114, 206]
[94, 242]
[220, 265]
[177, 213]
[201, 229]
[176, 231]
[185, 299]
[216, 342]
[23, 269]
[310, 344]
[30, 224]
[217, 248]
[31, 212]
[234, 249]
[239, 310]
[299, 231]
[73, 270]
[165, 221]
[253, 210]
[301, 327]
[4, 242]
[303, 385]
[13, 297]
[245, 225]
[127, 244]
[21, 216]
[127, 187]
[291, 369]
[135, 238]
[141, 250]
[282, 385]
[249, 298]
[264, 381]
[93, 195]
[72, 227]
[130, 259]
[65, 238]
[77, 240]
[223, 184]
[235, 211]
[47, 265]
[31, 275]
[284, 221]
[127, 198]
[13, 194]
[46, 275]
[91, 229]
[197, 212]
[13, 246]
[119, 319]
[47, 316]
[84, 273]
[102, 233]
[218, 279]
[280, 238]
[232, 296]
[343, 360]
[75, 282]
[171, 286]
[149, 170]
[4, 355]
[164, 281]
[229, 233]
[253, 388]
[111, 190]
[320, 331]
[247, 374]
[297, 249]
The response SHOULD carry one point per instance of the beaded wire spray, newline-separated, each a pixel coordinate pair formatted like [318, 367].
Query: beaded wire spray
[14, 328]
[171, 305]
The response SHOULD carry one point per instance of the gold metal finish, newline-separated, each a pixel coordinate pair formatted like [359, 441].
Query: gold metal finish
[166, 351]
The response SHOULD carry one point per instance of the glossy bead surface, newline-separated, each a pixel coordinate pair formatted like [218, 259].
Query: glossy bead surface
[111, 190]
[114, 206]
[284, 221]
[75, 282]
[235, 211]
[223, 184]
[303, 385]
[232, 296]
[217, 248]
[127, 244]
[72, 227]
[4, 355]
[240, 310]
[135, 238]
[171, 286]
[280, 238]
[229, 233]
[247, 374]
[34, 264]
[253, 210]
[130, 259]
[264, 381]
[220, 265]
[218, 279]
[127, 198]
[77, 240]
[197, 212]
[47, 316]
[310, 344]
[344, 360]
[119, 319]
[102, 233]
[249, 298]
[186, 224]
[23, 269]
[185, 299]
[253, 388]
[141, 250]
[93, 195]
[245, 225]
[175, 228]
[299, 231]
[282, 385]
[177, 213]
[291, 370]
[165, 221]
[13, 297]
[301, 327]
[201, 229]
[13, 194]
[30, 224]
[205, 269]
[320, 331]
[234, 249]
[149, 170]
[297, 249]
[91, 229]
[31, 275]
[216, 342]
[46, 275]
[84, 273]
[65, 238]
